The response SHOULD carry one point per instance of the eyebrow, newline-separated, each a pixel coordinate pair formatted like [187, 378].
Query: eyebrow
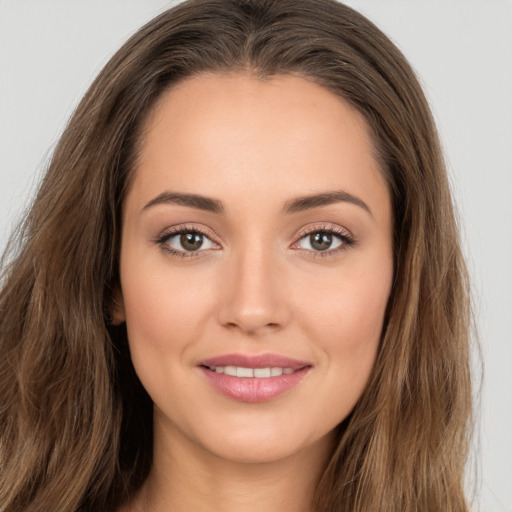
[192, 200]
[295, 205]
[300, 204]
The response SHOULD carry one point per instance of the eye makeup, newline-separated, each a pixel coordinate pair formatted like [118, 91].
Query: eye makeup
[192, 239]
[328, 232]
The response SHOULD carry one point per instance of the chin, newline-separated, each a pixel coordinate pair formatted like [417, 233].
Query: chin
[264, 445]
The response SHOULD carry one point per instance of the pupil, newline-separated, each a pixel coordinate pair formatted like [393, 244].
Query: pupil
[191, 241]
[321, 241]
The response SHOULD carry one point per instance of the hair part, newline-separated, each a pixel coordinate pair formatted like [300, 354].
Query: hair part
[76, 423]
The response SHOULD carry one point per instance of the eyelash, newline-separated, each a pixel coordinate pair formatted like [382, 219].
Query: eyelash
[165, 237]
[347, 240]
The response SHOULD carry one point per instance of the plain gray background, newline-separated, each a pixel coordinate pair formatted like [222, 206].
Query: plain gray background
[462, 50]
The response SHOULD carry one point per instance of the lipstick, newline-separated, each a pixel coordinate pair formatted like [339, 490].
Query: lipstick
[250, 378]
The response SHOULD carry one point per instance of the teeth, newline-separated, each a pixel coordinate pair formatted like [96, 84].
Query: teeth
[229, 370]
[262, 372]
[244, 372]
[259, 373]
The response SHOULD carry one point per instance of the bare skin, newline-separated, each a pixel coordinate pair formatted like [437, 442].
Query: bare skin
[215, 484]
[308, 282]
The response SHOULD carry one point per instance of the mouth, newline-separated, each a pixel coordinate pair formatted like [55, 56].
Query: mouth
[254, 378]
[248, 373]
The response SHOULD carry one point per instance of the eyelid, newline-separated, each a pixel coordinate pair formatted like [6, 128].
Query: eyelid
[330, 228]
[184, 228]
[173, 231]
[347, 239]
[343, 234]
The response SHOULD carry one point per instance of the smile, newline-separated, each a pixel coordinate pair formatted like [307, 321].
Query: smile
[258, 373]
[253, 379]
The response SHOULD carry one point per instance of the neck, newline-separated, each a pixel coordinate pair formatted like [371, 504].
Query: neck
[186, 477]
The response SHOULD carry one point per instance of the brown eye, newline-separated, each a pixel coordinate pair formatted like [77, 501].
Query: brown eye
[191, 241]
[319, 241]
[186, 241]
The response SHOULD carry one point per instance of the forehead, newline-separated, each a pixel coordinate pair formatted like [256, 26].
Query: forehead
[211, 132]
[266, 105]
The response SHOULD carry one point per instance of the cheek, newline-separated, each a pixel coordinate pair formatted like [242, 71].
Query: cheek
[345, 316]
[349, 308]
[164, 312]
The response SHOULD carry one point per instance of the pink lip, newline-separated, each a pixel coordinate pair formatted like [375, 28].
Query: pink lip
[247, 389]
[255, 361]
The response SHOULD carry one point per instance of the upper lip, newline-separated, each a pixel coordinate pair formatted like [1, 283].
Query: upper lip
[254, 361]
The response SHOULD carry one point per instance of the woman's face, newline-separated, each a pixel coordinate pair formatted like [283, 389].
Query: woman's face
[256, 264]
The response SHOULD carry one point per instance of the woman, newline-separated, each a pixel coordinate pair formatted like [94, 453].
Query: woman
[240, 284]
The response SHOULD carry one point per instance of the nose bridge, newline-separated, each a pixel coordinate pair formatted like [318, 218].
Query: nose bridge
[253, 297]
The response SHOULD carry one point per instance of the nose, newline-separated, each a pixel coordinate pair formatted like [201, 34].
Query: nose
[253, 297]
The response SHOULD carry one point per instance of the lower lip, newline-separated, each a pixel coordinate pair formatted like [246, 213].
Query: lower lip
[252, 389]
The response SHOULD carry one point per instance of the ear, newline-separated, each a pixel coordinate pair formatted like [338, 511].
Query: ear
[117, 312]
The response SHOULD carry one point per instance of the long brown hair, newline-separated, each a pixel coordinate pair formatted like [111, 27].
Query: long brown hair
[75, 422]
